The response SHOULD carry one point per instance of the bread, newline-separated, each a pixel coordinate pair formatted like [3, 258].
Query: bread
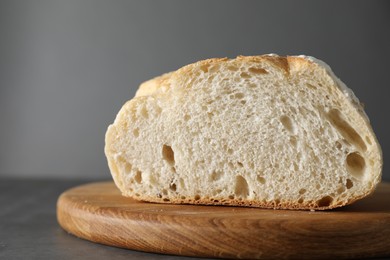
[261, 131]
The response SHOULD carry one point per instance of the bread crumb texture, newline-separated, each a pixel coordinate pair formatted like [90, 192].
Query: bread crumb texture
[262, 131]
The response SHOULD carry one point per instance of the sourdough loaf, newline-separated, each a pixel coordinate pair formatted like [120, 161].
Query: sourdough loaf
[262, 131]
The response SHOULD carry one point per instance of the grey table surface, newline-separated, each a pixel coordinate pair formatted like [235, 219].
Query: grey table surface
[29, 228]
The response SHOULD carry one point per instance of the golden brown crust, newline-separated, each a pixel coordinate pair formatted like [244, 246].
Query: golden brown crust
[307, 205]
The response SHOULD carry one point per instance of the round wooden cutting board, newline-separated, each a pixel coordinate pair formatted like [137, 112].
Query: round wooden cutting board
[97, 212]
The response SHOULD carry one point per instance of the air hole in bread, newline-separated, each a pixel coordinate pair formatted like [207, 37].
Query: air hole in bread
[239, 95]
[356, 165]
[204, 68]
[183, 197]
[311, 86]
[325, 201]
[166, 199]
[197, 197]
[138, 176]
[257, 70]
[340, 189]
[168, 154]
[296, 167]
[245, 75]
[230, 197]
[128, 167]
[240, 164]
[187, 117]
[243, 102]
[241, 189]
[302, 191]
[125, 165]
[172, 186]
[260, 179]
[144, 112]
[216, 175]
[182, 183]
[210, 79]
[136, 132]
[349, 184]
[300, 201]
[288, 123]
[164, 192]
[345, 129]
[217, 191]
[232, 68]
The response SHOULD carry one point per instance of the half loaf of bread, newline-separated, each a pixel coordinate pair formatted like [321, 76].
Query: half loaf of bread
[262, 131]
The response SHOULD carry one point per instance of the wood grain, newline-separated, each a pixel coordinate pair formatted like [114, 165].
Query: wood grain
[97, 212]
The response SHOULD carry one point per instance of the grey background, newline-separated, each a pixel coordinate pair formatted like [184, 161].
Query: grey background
[66, 67]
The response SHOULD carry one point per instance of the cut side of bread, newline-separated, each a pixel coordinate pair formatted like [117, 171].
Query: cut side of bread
[262, 131]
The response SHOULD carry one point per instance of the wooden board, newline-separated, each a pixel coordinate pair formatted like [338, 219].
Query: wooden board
[97, 212]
